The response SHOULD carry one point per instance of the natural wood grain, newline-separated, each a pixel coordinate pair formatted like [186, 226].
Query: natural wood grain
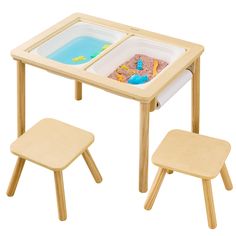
[210, 209]
[20, 98]
[15, 177]
[49, 33]
[61, 202]
[153, 105]
[193, 51]
[155, 188]
[196, 97]
[196, 155]
[20, 125]
[92, 166]
[52, 144]
[145, 95]
[192, 154]
[143, 146]
[78, 90]
[226, 178]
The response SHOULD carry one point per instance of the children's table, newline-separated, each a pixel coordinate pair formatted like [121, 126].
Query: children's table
[182, 55]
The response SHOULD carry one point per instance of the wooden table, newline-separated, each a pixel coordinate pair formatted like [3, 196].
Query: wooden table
[147, 97]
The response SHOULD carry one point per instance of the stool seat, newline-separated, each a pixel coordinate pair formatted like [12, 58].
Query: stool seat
[192, 154]
[52, 144]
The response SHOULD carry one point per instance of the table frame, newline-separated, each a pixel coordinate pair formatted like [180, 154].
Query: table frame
[147, 97]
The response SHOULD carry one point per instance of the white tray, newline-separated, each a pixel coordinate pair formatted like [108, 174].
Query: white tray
[78, 29]
[135, 45]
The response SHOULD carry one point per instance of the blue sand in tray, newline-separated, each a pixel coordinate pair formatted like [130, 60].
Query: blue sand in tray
[81, 46]
[138, 79]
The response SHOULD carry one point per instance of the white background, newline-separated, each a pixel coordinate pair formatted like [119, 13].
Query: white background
[115, 207]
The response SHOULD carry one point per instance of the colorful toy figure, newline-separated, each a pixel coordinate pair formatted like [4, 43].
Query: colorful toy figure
[105, 46]
[79, 58]
[124, 67]
[155, 65]
[120, 77]
[95, 54]
[138, 79]
[139, 64]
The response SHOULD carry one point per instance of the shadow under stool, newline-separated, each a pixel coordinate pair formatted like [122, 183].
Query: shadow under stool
[53, 145]
[192, 154]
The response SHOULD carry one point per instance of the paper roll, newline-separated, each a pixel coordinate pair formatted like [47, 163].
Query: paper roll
[173, 88]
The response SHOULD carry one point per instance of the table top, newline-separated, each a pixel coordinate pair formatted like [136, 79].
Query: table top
[146, 94]
[52, 144]
[192, 154]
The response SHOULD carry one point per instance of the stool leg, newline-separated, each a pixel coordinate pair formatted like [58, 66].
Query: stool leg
[61, 202]
[15, 177]
[226, 178]
[155, 188]
[210, 209]
[92, 166]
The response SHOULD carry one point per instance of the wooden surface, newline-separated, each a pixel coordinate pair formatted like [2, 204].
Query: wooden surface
[192, 154]
[196, 96]
[144, 146]
[20, 125]
[155, 189]
[52, 144]
[210, 209]
[92, 166]
[78, 90]
[20, 98]
[15, 177]
[170, 172]
[153, 105]
[61, 202]
[226, 178]
[80, 75]
[192, 52]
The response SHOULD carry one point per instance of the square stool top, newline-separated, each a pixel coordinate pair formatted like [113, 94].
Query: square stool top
[192, 154]
[52, 144]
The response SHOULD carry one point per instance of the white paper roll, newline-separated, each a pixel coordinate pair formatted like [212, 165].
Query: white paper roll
[173, 88]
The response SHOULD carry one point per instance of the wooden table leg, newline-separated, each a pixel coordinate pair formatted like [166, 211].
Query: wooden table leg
[196, 96]
[20, 125]
[78, 90]
[143, 147]
[153, 105]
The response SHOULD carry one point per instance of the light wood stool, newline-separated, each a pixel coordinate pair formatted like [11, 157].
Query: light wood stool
[54, 145]
[195, 155]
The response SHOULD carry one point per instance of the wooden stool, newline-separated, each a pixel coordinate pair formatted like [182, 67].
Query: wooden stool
[195, 155]
[54, 145]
